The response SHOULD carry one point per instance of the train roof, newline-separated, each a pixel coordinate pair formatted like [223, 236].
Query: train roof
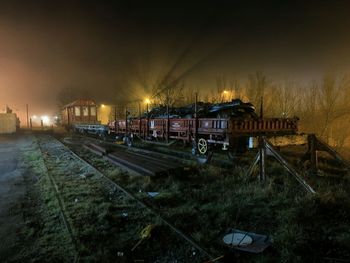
[81, 102]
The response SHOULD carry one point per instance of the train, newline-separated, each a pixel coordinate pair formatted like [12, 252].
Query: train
[206, 127]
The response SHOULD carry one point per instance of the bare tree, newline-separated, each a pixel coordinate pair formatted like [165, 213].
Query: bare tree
[189, 95]
[227, 89]
[325, 110]
[330, 96]
[285, 99]
[169, 94]
[259, 87]
[236, 89]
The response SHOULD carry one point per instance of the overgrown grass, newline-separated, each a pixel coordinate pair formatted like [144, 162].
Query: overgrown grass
[207, 202]
[44, 236]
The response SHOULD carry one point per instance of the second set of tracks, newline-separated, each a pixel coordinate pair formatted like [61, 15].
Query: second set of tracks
[54, 148]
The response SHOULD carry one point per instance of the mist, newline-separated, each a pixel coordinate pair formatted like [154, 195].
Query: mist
[116, 51]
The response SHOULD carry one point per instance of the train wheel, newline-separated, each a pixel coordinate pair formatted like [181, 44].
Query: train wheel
[204, 153]
[202, 146]
[103, 136]
[128, 141]
[232, 154]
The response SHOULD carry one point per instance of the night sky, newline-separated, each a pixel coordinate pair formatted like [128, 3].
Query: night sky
[116, 49]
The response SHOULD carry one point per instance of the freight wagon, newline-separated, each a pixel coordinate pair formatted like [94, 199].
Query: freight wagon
[205, 134]
[230, 130]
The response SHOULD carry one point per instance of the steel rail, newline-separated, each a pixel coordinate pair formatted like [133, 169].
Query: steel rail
[142, 204]
[61, 205]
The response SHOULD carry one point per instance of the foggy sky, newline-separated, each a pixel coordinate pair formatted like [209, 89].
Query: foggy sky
[106, 48]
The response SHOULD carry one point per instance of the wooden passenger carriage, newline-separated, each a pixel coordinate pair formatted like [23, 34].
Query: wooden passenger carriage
[80, 112]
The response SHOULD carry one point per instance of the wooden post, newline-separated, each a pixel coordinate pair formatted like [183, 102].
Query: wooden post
[262, 159]
[252, 166]
[288, 167]
[30, 123]
[313, 153]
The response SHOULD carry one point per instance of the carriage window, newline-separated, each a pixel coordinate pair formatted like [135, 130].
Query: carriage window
[93, 111]
[77, 111]
[85, 111]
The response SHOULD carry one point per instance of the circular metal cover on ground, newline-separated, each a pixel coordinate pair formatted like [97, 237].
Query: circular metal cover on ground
[237, 239]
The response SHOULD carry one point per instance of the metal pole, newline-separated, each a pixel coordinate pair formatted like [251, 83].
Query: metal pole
[261, 108]
[147, 130]
[139, 118]
[126, 120]
[196, 121]
[167, 122]
[115, 119]
[27, 115]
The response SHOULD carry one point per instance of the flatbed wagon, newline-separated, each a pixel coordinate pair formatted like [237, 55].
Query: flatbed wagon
[204, 134]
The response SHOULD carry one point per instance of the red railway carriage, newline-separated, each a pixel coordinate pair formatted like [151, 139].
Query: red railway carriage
[80, 112]
[229, 133]
[203, 133]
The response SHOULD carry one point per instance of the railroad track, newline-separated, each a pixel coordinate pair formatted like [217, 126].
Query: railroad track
[172, 156]
[62, 208]
[138, 162]
[53, 147]
[134, 160]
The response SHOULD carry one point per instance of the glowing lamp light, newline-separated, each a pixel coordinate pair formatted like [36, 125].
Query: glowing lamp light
[225, 92]
[34, 117]
[147, 101]
[45, 119]
[102, 105]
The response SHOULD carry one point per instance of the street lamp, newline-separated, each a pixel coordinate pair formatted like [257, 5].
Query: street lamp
[147, 101]
[225, 95]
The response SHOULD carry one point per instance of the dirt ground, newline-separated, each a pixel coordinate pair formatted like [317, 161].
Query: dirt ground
[12, 190]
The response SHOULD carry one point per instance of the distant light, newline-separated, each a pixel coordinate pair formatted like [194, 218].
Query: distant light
[34, 117]
[45, 119]
[102, 105]
[56, 117]
[225, 91]
[147, 101]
